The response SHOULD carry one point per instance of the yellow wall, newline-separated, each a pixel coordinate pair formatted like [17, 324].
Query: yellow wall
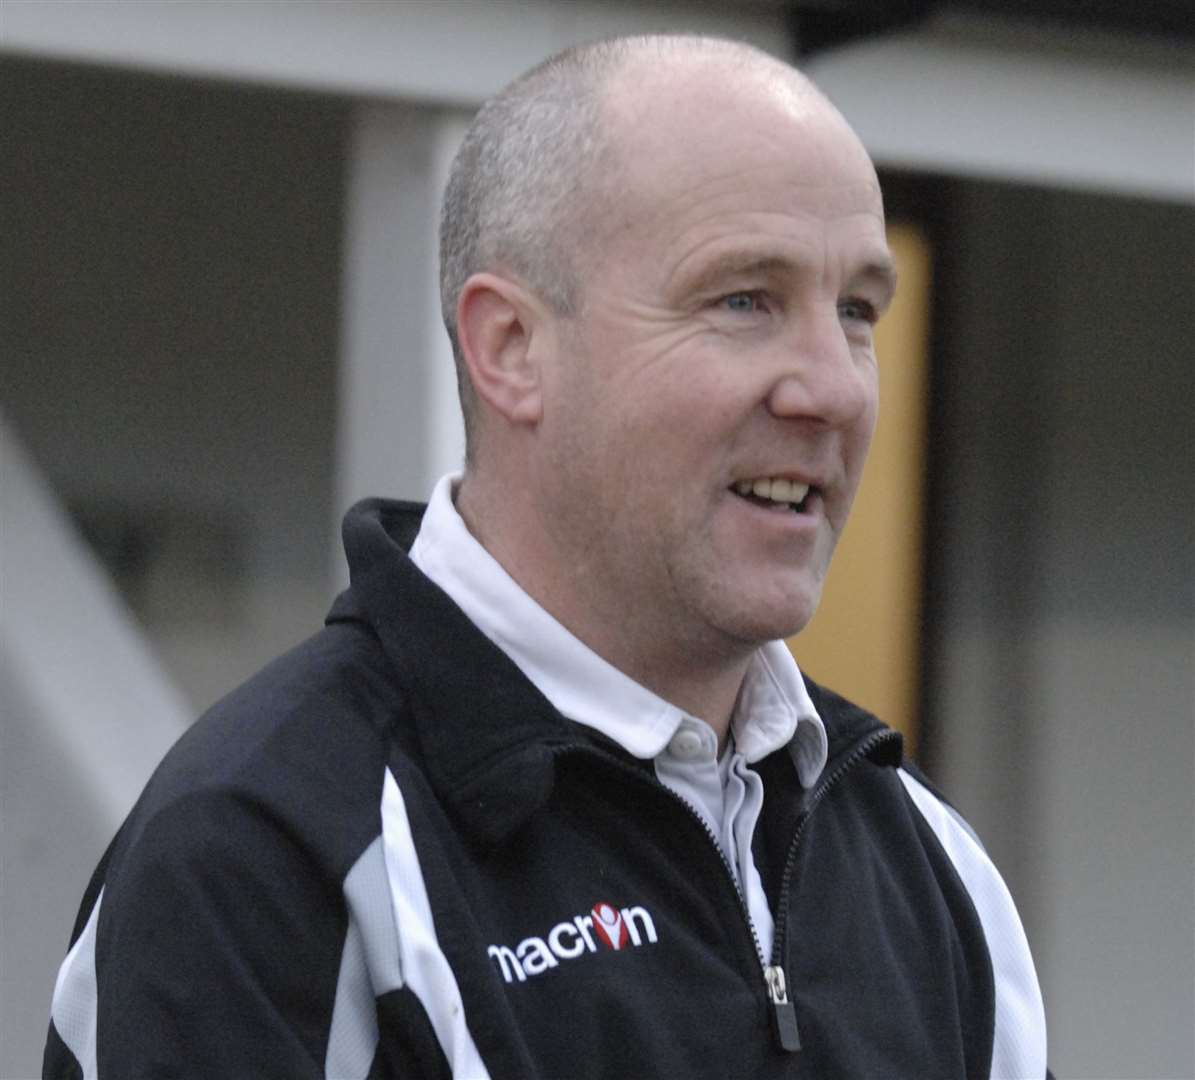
[864, 641]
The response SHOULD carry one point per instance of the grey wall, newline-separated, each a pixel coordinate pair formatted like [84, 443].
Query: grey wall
[1063, 699]
[169, 320]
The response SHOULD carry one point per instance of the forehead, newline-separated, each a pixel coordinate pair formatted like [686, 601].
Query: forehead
[715, 147]
[662, 102]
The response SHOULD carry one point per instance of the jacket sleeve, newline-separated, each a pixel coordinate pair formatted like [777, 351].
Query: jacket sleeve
[212, 950]
[1019, 1039]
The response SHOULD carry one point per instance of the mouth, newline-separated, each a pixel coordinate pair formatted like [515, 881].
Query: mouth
[778, 494]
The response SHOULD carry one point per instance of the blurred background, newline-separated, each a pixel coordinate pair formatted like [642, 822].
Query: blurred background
[219, 326]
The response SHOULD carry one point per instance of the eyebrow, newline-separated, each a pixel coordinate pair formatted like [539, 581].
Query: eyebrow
[882, 271]
[732, 264]
[878, 269]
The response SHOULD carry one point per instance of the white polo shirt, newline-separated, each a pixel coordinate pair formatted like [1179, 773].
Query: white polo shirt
[773, 705]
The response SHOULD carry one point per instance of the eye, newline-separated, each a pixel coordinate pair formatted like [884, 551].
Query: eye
[742, 302]
[856, 309]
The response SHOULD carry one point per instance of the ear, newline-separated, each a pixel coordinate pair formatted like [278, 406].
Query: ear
[497, 323]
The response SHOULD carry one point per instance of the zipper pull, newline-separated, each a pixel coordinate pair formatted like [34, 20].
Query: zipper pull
[783, 1013]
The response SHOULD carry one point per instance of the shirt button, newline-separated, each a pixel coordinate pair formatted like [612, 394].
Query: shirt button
[685, 744]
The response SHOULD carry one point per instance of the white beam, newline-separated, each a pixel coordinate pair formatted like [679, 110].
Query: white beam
[1009, 113]
[101, 698]
[399, 424]
[86, 713]
[448, 51]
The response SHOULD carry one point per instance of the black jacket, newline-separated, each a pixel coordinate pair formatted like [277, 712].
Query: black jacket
[388, 855]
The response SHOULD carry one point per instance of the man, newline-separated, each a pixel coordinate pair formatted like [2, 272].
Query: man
[548, 796]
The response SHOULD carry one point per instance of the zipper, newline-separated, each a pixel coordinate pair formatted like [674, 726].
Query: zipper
[783, 1013]
[862, 749]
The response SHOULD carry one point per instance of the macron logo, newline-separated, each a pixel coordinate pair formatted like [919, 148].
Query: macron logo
[608, 924]
[604, 926]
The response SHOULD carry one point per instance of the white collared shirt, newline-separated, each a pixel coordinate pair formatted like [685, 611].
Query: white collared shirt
[773, 705]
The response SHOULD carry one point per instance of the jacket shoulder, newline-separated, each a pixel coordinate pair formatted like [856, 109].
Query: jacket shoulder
[303, 743]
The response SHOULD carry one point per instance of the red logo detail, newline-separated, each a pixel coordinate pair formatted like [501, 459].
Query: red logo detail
[608, 925]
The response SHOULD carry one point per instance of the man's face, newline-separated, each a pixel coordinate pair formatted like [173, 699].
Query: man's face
[708, 414]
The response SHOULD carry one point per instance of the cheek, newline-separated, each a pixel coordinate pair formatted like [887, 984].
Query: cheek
[863, 429]
[673, 408]
[861, 437]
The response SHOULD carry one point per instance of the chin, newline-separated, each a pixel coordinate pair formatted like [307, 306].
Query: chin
[769, 620]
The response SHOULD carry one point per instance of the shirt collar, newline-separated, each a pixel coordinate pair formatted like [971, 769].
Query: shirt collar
[773, 706]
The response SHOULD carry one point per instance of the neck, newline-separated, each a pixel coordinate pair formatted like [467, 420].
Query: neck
[700, 677]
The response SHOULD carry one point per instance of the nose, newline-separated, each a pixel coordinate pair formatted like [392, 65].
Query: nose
[823, 376]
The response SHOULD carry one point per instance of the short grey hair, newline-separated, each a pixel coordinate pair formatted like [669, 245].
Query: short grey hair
[531, 176]
[516, 192]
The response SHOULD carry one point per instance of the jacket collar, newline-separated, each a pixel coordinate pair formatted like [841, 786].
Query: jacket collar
[853, 725]
[487, 735]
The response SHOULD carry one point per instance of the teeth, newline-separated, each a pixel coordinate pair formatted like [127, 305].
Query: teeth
[782, 491]
[778, 489]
